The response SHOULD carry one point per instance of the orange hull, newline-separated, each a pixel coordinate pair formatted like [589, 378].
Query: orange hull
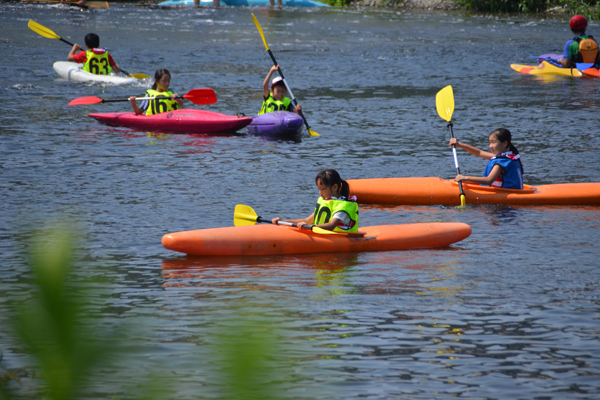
[434, 191]
[263, 240]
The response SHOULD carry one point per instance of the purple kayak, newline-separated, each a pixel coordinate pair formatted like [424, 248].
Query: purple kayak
[544, 57]
[276, 123]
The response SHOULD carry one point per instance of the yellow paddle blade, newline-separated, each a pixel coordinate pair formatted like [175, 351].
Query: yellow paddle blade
[244, 215]
[462, 200]
[42, 30]
[260, 31]
[312, 133]
[444, 101]
[139, 76]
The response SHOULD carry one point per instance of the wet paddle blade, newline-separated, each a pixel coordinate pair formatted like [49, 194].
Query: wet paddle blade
[97, 4]
[85, 100]
[139, 76]
[262, 34]
[312, 133]
[202, 96]
[444, 101]
[244, 215]
[42, 30]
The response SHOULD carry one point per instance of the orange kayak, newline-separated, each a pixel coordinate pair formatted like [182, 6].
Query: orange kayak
[261, 240]
[433, 191]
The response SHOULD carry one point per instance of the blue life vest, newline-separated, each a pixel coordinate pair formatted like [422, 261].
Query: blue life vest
[512, 178]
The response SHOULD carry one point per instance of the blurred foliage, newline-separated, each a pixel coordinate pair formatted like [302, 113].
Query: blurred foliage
[248, 350]
[68, 345]
[50, 325]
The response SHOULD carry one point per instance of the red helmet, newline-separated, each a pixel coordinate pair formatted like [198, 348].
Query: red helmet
[578, 23]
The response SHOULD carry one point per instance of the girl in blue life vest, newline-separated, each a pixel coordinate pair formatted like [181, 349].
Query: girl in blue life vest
[168, 100]
[335, 210]
[274, 98]
[504, 170]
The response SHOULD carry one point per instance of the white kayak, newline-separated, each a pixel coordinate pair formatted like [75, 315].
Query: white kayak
[73, 72]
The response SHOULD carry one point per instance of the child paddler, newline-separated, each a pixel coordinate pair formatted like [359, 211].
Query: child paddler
[582, 48]
[335, 210]
[274, 96]
[167, 100]
[504, 168]
[96, 60]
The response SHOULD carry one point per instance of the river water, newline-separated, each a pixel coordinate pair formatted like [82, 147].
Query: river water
[511, 312]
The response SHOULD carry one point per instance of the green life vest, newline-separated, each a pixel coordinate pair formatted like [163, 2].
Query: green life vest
[158, 106]
[326, 208]
[97, 63]
[270, 104]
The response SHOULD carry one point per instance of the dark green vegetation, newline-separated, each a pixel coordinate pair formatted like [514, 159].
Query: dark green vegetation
[587, 8]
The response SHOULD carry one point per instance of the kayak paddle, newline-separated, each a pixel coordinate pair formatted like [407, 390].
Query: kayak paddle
[310, 131]
[196, 96]
[444, 101]
[91, 3]
[47, 33]
[245, 215]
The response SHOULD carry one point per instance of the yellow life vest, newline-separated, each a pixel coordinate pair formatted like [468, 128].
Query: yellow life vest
[158, 106]
[270, 104]
[326, 208]
[97, 63]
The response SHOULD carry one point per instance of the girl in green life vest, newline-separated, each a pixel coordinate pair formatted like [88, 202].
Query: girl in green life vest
[335, 210]
[274, 95]
[167, 100]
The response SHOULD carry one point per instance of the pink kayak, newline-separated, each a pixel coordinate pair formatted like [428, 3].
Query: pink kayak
[184, 120]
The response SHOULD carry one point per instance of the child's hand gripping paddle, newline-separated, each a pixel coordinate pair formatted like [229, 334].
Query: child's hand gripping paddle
[310, 131]
[245, 215]
[444, 101]
[47, 33]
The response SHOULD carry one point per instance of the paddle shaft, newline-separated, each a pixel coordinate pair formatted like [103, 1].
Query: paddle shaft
[462, 193]
[266, 221]
[288, 88]
[139, 99]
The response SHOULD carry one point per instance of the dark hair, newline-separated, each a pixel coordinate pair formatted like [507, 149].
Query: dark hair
[158, 76]
[503, 135]
[330, 177]
[92, 40]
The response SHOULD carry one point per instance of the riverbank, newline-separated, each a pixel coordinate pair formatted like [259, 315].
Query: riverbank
[411, 4]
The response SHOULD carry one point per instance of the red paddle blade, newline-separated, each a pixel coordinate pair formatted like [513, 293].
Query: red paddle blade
[85, 100]
[201, 96]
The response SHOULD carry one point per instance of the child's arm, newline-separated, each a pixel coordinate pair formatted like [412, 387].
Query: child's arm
[136, 109]
[113, 64]
[483, 180]
[74, 50]
[267, 82]
[179, 101]
[329, 226]
[471, 149]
